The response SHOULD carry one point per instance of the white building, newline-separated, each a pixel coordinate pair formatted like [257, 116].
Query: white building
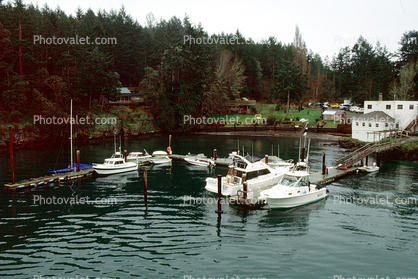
[373, 126]
[333, 115]
[380, 117]
[404, 112]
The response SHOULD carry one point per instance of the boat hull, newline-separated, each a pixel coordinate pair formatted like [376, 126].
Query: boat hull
[101, 169]
[200, 162]
[231, 189]
[297, 200]
[157, 161]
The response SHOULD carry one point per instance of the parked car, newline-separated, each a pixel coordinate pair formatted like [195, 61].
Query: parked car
[360, 110]
[354, 108]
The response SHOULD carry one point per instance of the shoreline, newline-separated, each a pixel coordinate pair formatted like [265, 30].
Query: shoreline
[51, 141]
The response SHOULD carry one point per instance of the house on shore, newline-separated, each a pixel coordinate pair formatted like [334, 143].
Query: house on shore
[373, 126]
[241, 106]
[127, 96]
[382, 119]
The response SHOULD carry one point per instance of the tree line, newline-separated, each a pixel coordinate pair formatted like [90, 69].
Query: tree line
[178, 76]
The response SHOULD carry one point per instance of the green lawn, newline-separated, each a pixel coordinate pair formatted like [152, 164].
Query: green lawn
[267, 110]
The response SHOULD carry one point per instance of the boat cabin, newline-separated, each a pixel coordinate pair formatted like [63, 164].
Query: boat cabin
[136, 155]
[239, 169]
[117, 155]
[114, 161]
[295, 179]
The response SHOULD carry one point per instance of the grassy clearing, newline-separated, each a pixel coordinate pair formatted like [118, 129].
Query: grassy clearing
[267, 110]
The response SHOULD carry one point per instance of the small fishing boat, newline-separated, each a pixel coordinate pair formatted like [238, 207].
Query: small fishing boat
[276, 162]
[114, 165]
[200, 160]
[293, 190]
[369, 169]
[138, 157]
[159, 157]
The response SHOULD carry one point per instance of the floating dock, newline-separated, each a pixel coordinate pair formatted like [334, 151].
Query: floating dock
[332, 174]
[49, 180]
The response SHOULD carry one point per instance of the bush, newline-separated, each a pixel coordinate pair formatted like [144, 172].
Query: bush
[271, 120]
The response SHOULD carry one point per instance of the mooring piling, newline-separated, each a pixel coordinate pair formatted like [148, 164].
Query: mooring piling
[12, 163]
[78, 160]
[219, 210]
[145, 186]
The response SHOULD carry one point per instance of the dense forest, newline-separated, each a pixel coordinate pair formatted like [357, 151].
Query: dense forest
[178, 76]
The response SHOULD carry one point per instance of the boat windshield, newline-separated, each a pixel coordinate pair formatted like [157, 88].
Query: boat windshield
[294, 181]
[108, 162]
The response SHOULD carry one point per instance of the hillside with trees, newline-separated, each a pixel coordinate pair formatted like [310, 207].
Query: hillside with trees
[178, 77]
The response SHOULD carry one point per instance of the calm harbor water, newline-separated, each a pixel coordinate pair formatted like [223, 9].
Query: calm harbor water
[366, 228]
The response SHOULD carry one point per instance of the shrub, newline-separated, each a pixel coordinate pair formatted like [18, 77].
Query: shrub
[271, 120]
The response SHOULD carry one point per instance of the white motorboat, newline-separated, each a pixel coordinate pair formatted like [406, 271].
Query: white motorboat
[373, 168]
[258, 175]
[200, 161]
[159, 157]
[115, 165]
[293, 190]
[138, 157]
[276, 162]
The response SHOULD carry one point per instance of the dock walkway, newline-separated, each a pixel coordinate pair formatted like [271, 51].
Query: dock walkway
[28, 184]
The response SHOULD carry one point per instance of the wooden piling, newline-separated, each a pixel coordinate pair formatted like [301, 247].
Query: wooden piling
[266, 159]
[219, 211]
[367, 160]
[145, 186]
[302, 155]
[323, 163]
[78, 160]
[215, 155]
[125, 153]
[244, 190]
[12, 163]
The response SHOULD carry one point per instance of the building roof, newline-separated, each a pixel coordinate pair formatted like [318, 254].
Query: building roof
[374, 116]
[234, 103]
[332, 112]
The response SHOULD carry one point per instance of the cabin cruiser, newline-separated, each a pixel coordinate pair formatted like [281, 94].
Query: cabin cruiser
[293, 190]
[257, 175]
[114, 165]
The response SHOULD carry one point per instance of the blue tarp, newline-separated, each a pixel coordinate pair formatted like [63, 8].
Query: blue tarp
[82, 167]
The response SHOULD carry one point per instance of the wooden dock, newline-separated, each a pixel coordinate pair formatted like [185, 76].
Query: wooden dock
[49, 180]
[331, 175]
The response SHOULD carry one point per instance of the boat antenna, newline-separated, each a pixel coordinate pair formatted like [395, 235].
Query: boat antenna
[252, 152]
[238, 146]
[71, 135]
[309, 145]
[120, 144]
[114, 141]
[300, 144]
